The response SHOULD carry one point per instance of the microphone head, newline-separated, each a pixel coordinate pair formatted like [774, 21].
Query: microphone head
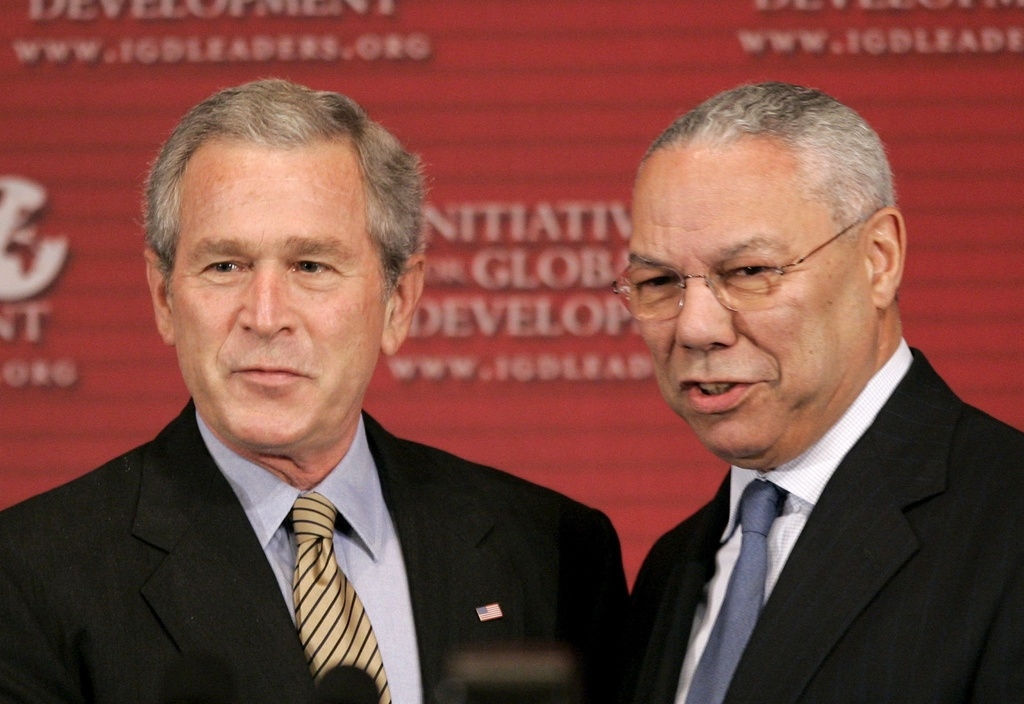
[501, 673]
[197, 679]
[347, 684]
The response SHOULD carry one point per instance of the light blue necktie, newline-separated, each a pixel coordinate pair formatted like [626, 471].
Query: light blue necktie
[759, 505]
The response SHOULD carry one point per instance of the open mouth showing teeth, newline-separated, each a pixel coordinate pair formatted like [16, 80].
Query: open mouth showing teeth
[714, 389]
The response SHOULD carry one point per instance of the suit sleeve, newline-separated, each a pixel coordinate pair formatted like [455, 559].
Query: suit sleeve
[999, 676]
[593, 600]
[31, 669]
[642, 624]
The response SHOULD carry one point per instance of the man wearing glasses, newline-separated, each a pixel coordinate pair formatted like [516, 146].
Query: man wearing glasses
[866, 545]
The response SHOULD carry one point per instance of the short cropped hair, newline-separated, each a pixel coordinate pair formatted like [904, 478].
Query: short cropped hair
[280, 114]
[842, 160]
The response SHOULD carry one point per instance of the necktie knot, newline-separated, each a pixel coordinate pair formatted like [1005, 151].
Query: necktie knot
[759, 506]
[313, 517]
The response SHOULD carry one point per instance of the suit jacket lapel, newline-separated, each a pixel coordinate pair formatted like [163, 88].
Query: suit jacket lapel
[682, 593]
[856, 539]
[451, 569]
[211, 587]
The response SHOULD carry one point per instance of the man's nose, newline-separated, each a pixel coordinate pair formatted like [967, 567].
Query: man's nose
[703, 322]
[267, 309]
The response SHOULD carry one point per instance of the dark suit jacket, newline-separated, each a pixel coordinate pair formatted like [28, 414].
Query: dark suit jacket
[906, 585]
[108, 580]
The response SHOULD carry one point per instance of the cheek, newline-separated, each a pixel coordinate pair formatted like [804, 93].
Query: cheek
[197, 344]
[659, 338]
[356, 327]
[203, 327]
[810, 356]
[789, 338]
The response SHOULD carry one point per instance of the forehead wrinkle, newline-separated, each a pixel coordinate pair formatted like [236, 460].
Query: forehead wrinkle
[759, 243]
[755, 243]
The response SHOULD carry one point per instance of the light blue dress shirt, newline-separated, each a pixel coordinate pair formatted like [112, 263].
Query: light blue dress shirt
[369, 555]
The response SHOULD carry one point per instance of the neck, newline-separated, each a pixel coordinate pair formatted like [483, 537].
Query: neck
[302, 467]
[889, 337]
[301, 475]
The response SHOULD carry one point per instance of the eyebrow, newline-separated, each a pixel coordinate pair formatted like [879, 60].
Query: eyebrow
[296, 246]
[638, 260]
[318, 247]
[221, 246]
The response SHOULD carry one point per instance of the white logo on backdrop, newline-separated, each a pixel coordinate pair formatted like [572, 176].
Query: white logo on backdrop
[29, 261]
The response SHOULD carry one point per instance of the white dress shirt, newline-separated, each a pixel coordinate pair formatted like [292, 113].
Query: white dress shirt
[369, 555]
[804, 478]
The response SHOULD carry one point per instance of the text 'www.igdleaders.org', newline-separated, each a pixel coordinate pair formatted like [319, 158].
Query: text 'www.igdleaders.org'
[523, 367]
[883, 41]
[223, 49]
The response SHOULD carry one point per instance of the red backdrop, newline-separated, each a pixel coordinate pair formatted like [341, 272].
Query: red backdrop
[530, 116]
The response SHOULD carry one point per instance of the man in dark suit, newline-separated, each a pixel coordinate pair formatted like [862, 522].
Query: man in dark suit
[866, 545]
[284, 253]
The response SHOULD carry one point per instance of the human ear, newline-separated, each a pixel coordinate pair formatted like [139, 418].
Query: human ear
[402, 304]
[885, 236]
[160, 295]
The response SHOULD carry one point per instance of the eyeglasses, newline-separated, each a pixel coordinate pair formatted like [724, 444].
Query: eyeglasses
[650, 292]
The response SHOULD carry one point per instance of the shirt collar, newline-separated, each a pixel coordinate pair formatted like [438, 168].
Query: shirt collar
[805, 477]
[353, 486]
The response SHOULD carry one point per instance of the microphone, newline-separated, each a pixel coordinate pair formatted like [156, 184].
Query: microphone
[512, 674]
[197, 679]
[347, 684]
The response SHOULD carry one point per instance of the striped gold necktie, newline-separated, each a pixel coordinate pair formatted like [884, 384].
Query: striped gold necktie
[333, 627]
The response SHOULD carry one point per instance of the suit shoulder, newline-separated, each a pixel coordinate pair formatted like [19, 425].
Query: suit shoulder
[668, 550]
[686, 542]
[417, 461]
[989, 453]
[107, 492]
[980, 429]
[417, 466]
[675, 539]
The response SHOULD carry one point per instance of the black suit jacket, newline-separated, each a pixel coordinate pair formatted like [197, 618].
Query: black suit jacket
[109, 580]
[906, 585]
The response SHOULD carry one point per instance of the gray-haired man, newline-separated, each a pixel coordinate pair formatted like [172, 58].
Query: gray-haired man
[875, 516]
[273, 526]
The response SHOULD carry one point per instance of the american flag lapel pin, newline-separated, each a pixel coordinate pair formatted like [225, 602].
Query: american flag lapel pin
[489, 612]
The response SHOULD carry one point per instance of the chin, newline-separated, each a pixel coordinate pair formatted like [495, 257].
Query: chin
[263, 435]
[740, 451]
[760, 465]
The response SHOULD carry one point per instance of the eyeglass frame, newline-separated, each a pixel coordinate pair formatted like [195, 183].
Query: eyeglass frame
[622, 287]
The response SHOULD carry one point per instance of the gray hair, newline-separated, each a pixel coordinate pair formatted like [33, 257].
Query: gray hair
[841, 158]
[280, 114]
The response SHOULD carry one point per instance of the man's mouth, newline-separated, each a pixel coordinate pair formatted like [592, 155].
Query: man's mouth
[715, 389]
[269, 374]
